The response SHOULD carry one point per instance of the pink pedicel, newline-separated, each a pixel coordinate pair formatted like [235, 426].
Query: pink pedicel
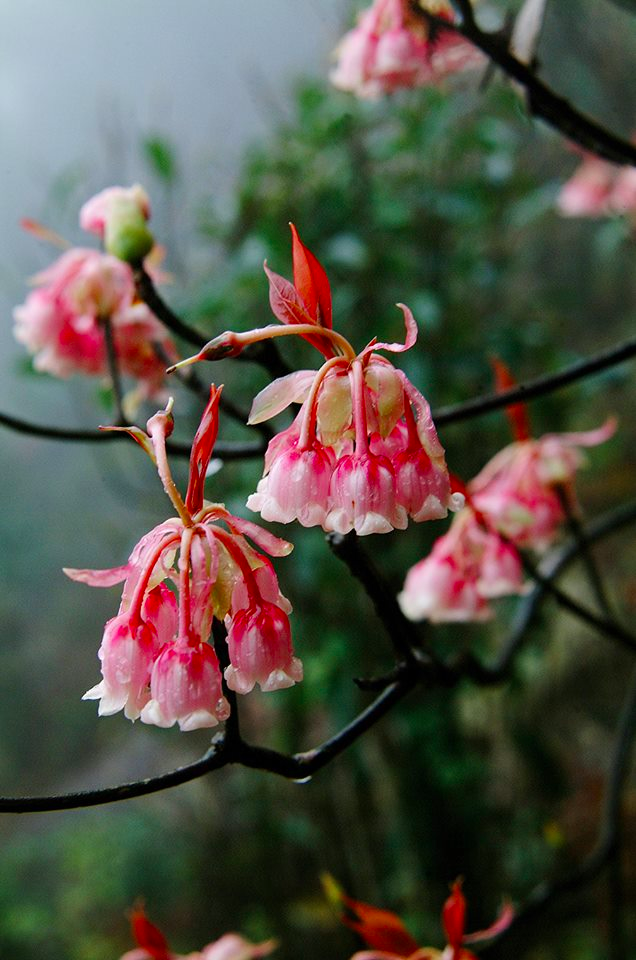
[362, 453]
[157, 660]
[62, 322]
[390, 49]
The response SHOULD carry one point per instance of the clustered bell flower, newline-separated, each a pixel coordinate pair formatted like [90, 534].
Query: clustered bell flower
[517, 501]
[157, 661]
[362, 453]
[390, 48]
[62, 321]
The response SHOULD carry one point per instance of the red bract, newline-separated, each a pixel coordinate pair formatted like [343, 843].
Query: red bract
[389, 939]
[157, 661]
[152, 944]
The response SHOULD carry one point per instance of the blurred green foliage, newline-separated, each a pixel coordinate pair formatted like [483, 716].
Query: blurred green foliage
[445, 203]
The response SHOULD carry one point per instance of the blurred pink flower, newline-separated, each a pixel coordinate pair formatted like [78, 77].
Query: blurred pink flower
[467, 567]
[518, 490]
[157, 661]
[389, 48]
[598, 188]
[62, 322]
[119, 215]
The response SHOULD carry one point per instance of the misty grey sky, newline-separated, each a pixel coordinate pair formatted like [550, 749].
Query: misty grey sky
[82, 79]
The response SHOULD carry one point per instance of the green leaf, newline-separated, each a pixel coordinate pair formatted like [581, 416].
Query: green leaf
[160, 157]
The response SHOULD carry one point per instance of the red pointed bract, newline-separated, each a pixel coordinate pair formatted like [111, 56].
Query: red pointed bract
[148, 936]
[202, 447]
[310, 279]
[380, 929]
[517, 412]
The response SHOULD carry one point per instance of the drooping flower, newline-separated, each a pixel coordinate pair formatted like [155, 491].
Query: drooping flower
[153, 945]
[468, 567]
[390, 48]
[385, 933]
[62, 321]
[157, 661]
[517, 501]
[521, 490]
[363, 453]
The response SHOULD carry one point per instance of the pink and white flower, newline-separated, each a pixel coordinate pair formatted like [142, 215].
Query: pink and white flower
[157, 660]
[467, 567]
[518, 490]
[363, 453]
[598, 188]
[389, 48]
[62, 322]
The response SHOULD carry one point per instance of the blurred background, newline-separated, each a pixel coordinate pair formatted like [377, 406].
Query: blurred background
[441, 198]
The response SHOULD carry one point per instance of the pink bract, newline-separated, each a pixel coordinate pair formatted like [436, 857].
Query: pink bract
[96, 212]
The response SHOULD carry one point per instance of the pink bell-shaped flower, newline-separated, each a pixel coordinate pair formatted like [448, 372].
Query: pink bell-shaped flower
[259, 643]
[127, 654]
[157, 659]
[185, 688]
[467, 567]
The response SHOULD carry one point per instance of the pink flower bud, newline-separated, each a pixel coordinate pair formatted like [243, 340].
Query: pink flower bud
[118, 215]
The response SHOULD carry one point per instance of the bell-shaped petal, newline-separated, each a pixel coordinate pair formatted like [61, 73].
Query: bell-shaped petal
[296, 487]
[259, 643]
[127, 653]
[362, 497]
[185, 688]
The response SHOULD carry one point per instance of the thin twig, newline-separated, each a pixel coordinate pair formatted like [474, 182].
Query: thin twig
[113, 370]
[545, 893]
[539, 386]
[543, 102]
[224, 450]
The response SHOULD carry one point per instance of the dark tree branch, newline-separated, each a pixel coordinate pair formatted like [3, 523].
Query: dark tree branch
[229, 748]
[543, 102]
[539, 386]
[229, 450]
[606, 845]
[147, 292]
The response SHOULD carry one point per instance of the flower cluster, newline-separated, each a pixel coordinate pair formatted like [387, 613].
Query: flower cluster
[385, 933]
[389, 48]
[62, 321]
[152, 944]
[362, 453]
[467, 568]
[518, 501]
[597, 189]
[157, 663]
